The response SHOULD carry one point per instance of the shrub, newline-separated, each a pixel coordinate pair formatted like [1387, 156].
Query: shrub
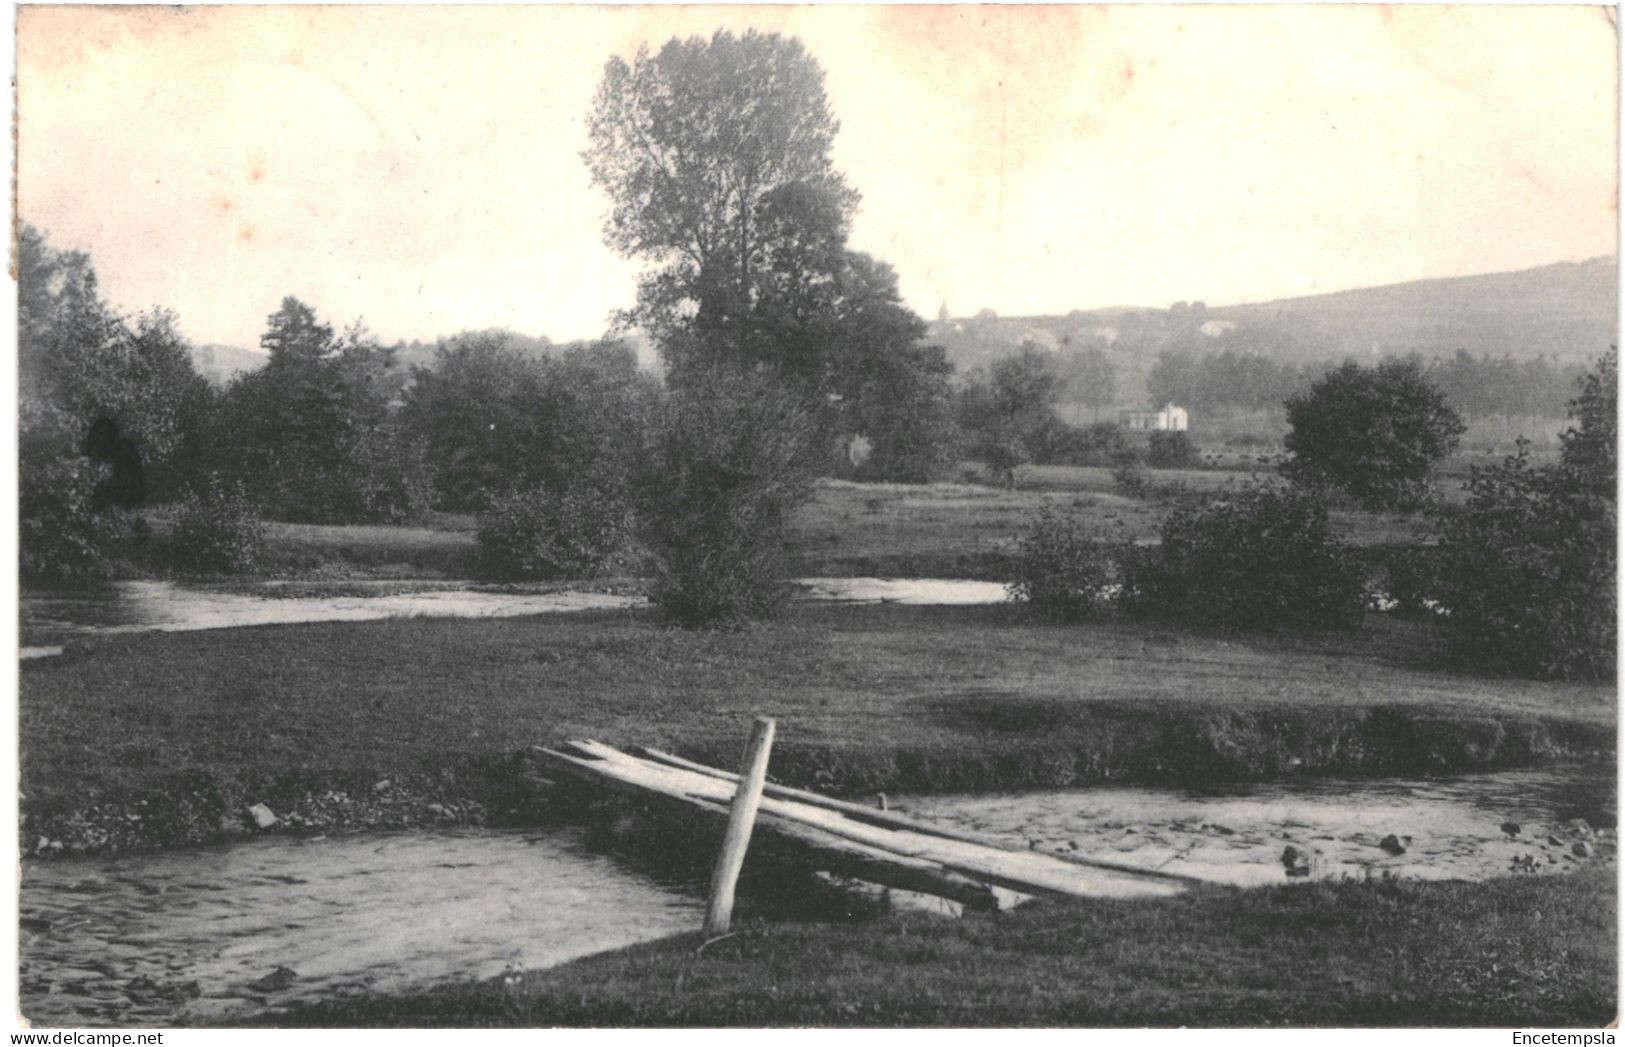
[1062, 569]
[1132, 481]
[1100, 444]
[216, 531]
[1262, 558]
[1005, 454]
[1171, 450]
[736, 455]
[1414, 583]
[1528, 566]
[576, 531]
[1528, 574]
[1374, 433]
[63, 540]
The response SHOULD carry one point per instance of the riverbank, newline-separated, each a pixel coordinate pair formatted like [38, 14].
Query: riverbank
[172, 739]
[1527, 952]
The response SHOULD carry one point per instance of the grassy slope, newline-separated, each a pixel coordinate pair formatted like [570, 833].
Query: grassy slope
[1537, 951]
[877, 697]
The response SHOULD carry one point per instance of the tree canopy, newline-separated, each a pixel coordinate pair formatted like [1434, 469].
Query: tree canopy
[1008, 406]
[81, 363]
[1375, 433]
[715, 156]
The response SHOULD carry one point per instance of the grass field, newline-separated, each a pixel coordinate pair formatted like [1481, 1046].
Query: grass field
[1533, 952]
[881, 697]
[164, 739]
[943, 530]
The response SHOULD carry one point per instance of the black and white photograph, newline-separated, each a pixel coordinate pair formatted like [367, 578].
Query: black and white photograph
[967, 516]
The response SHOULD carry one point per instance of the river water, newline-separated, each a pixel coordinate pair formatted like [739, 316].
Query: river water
[205, 932]
[51, 619]
[1464, 827]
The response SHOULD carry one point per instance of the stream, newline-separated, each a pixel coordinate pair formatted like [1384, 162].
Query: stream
[204, 932]
[1469, 827]
[50, 620]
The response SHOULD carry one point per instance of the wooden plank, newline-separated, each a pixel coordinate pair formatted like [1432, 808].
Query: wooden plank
[803, 842]
[1026, 871]
[894, 820]
[838, 855]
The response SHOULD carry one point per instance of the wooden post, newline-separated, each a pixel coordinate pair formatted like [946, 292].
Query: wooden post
[741, 817]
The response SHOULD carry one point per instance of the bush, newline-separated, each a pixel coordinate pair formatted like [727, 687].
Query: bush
[1004, 454]
[1374, 433]
[1262, 558]
[1100, 444]
[1413, 582]
[735, 457]
[1528, 566]
[216, 531]
[1132, 481]
[1062, 570]
[63, 540]
[1528, 574]
[1171, 450]
[577, 531]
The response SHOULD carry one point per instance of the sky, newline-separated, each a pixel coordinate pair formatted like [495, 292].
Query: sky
[419, 167]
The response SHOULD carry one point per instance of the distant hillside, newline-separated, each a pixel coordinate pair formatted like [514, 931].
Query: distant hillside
[1567, 310]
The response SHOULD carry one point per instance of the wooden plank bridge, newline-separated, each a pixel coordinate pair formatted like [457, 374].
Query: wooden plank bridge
[848, 839]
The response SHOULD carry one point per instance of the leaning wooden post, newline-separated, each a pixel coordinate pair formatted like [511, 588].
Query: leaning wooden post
[741, 817]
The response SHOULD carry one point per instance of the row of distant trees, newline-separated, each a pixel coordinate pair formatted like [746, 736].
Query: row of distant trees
[778, 342]
[1476, 386]
[332, 429]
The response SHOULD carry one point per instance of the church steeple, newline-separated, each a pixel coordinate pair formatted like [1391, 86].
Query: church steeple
[942, 314]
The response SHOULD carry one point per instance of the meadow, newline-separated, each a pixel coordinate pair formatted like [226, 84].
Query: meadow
[966, 529]
[132, 742]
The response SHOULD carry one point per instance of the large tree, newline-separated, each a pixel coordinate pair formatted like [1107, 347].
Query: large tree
[1373, 432]
[81, 363]
[1008, 407]
[103, 401]
[715, 154]
[314, 434]
[716, 158]
[495, 418]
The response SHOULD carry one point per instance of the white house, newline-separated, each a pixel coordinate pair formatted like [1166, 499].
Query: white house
[1172, 418]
